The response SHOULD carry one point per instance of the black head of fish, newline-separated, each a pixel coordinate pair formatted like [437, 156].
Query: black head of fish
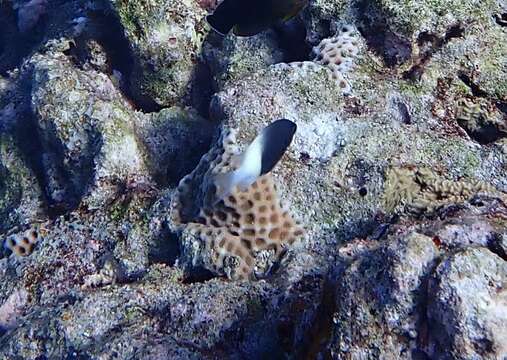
[276, 138]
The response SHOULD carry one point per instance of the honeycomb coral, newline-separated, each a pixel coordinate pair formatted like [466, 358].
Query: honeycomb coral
[337, 54]
[240, 229]
[23, 244]
[422, 190]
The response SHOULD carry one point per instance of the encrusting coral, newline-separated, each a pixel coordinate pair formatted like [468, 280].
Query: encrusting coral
[422, 190]
[238, 230]
[480, 122]
[23, 244]
[336, 54]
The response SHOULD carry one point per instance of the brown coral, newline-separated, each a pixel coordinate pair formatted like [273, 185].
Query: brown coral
[23, 244]
[422, 190]
[239, 227]
[337, 54]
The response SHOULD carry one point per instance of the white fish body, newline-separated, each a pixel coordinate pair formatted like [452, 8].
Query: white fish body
[258, 159]
[248, 171]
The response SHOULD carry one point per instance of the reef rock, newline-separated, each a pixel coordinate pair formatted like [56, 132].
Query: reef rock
[409, 296]
[166, 38]
[113, 248]
[467, 306]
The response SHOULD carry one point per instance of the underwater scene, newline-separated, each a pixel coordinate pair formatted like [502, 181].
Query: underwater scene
[253, 179]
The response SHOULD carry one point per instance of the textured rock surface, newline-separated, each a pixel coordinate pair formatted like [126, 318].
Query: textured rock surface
[467, 308]
[398, 177]
[166, 38]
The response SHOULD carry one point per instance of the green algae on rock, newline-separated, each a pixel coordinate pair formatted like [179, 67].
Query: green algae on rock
[166, 39]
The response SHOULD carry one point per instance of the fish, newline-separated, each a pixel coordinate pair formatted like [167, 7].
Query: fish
[260, 157]
[250, 17]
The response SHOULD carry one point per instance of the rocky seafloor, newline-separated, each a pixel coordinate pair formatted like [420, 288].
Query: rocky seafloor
[397, 172]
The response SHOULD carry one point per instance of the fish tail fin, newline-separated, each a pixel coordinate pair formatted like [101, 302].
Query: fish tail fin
[223, 18]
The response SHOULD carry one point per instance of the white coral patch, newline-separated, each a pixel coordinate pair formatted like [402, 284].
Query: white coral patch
[320, 137]
[12, 308]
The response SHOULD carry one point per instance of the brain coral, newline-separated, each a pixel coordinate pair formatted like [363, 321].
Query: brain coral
[422, 190]
[238, 232]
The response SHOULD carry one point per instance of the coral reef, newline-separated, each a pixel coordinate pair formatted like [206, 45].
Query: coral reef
[12, 309]
[337, 53]
[244, 225]
[166, 38]
[423, 190]
[114, 120]
[480, 123]
[23, 244]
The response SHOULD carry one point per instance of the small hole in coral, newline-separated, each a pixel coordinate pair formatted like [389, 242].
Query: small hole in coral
[273, 218]
[274, 234]
[257, 196]
[12, 242]
[262, 231]
[246, 243]
[25, 241]
[259, 242]
[269, 198]
[255, 186]
[298, 232]
[283, 235]
[247, 205]
[250, 218]
[263, 208]
[363, 192]
[291, 240]
[287, 225]
[214, 223]
[221, 215]
[249, 232]
[263, 220]
[338, 61]
[21, 250]
[236, 224]
[232, 199]
[264, 181]
[229, 246]
[343, 84]
[221, 243]
[34, 234]
[234, 233]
